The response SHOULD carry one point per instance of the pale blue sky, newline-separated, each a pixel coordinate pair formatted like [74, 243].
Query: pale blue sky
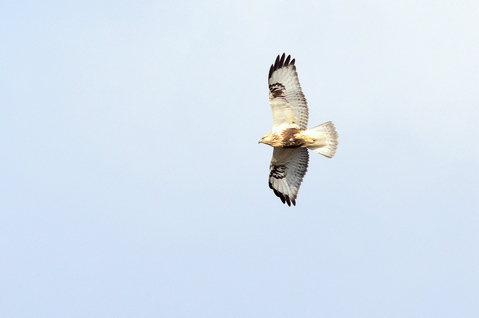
[132, 183]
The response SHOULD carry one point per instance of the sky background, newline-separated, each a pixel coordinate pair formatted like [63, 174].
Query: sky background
[132, 183]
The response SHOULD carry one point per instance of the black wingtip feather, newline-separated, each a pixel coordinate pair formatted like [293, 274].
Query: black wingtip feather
[271, 70]
[281, 61]
[284, 198]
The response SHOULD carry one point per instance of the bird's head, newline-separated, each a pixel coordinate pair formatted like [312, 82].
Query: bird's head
[266, 139]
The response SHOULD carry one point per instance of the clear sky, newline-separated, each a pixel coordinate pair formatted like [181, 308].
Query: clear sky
[132, 183]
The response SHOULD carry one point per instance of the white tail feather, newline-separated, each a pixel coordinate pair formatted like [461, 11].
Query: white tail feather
[325, 139]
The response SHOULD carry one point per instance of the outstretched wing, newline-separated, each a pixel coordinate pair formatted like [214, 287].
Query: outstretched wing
[288, 104]
[287, 169]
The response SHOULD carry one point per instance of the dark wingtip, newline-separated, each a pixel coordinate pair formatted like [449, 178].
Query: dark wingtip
[281, 61]
[271, 70]
[284, 198]
[288, 201]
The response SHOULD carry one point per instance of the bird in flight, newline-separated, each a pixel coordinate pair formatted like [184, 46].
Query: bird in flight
[290, 137]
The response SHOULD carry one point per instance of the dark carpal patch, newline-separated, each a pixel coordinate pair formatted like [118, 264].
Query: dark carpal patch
[278, 172]
[277, 90]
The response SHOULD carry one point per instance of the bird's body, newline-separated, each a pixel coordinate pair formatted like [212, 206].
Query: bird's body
[290, 136]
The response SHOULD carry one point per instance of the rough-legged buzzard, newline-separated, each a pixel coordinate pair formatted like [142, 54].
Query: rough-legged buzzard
[290, 137]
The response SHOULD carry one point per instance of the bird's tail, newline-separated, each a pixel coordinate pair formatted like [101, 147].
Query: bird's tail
[325, 139]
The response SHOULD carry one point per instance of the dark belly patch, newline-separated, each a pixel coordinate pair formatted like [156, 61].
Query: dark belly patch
[290, 140]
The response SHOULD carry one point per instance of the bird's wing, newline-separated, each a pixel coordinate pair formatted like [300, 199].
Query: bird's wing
[287, 169]
[288, 104]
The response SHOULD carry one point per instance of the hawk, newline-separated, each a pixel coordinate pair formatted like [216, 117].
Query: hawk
[290, 137]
